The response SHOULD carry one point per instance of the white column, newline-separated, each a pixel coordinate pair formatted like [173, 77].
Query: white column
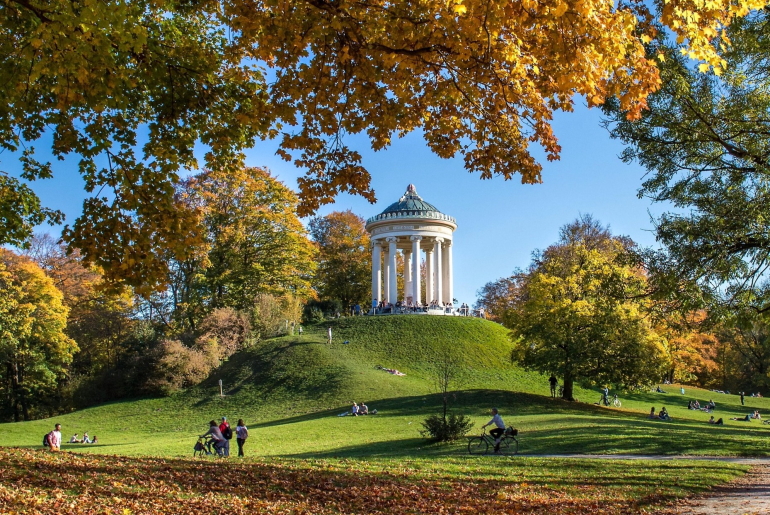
[416, 268]
[407, 274]
[385, 275]
[429, 282]
[392, 272]
[445, 269]
[376, 271]
[438, 288]
[449, 286]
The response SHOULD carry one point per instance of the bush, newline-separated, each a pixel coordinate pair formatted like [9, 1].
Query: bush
[273, 315]
[447, 429]
[224, 332]
[177, 366]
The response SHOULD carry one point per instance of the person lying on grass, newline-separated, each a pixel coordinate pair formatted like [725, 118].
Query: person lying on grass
[719, 422]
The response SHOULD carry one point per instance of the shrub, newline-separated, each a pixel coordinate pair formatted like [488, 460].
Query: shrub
[177, 366]
[224, 332]
[273, 315]
[446, 429]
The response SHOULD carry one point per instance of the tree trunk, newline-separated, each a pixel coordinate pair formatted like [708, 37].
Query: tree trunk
[568, 387]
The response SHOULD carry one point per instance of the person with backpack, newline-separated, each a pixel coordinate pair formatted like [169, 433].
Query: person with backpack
[216, 435]
[52, 440]
[227, 433]
[241, 433]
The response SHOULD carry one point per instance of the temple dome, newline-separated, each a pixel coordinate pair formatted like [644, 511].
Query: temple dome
[411, 205]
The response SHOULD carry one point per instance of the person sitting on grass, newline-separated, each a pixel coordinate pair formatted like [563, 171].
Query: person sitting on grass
[711, 406]
[94, 440]
[75, 439]
[652, 415]
[85, 438]
[719, 422]
[756, 415]
[497, 433]
[663, 415]
[363, 409]
[354, 410]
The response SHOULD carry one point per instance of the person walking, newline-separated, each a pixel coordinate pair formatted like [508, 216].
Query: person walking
[553, 382]
[227, 434]
[300, 330]
[241, 433]
[742, 403]
[329, 336]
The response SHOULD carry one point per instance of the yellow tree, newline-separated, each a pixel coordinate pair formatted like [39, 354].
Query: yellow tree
[480, 79]
[34, 348]
[576, 316]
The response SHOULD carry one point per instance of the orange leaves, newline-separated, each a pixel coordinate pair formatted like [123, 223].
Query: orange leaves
[47, 484]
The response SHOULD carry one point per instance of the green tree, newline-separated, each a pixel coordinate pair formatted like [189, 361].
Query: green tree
[577, 317]
[34, 348]
[704, 142]
[344, 258]
[254, 244]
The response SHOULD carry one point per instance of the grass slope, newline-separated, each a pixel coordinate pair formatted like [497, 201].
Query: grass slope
[289, 390]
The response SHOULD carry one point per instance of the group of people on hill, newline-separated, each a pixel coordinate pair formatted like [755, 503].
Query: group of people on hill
[222, 433]
[52, 440]
[86, 439]
[662, 415]
[695, 405]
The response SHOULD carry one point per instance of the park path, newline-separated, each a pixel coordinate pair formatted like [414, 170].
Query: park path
[747, 495]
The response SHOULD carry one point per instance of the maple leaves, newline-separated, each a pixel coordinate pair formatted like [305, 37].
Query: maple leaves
[131, 87]
[51, 483]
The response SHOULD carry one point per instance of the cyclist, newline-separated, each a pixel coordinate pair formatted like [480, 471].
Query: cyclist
[497, 433]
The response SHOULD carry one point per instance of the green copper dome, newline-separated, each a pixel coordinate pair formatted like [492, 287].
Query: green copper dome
[410, 201]
[411, 205]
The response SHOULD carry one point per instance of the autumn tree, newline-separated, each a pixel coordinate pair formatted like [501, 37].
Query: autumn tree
[344, 258]
[34, 348]
[577, 317]
[130, 88]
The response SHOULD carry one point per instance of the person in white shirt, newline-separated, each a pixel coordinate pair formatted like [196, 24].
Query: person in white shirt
[497, 432]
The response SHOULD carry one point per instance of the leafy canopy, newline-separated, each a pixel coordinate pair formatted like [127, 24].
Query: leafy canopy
[576, 315]
[704, 142]
[131, 87]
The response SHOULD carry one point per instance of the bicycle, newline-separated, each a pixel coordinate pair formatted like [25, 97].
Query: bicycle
[606, 401]
[509, 444]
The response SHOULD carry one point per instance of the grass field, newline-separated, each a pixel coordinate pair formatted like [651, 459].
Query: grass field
[290, 390]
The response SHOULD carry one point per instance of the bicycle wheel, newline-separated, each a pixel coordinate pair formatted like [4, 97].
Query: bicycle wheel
[509, 446]
[477, 445]
[616, 403]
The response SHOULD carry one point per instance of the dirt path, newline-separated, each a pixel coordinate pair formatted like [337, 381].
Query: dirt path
[748, 495]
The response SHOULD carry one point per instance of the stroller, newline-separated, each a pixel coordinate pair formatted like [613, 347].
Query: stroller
[204, 447]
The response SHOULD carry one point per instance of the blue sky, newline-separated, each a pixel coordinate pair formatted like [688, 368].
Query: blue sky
[499, 222]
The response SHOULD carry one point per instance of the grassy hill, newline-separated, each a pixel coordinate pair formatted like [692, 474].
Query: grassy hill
[290, 390]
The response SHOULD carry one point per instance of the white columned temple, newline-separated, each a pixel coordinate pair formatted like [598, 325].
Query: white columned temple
[424, 235]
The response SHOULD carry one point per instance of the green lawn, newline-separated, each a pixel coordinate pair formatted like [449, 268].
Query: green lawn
[290, 391]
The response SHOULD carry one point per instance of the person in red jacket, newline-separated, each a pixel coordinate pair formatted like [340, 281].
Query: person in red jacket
[224, 427]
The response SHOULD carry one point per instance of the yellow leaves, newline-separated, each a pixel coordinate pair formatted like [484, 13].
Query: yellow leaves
[704, 67]
[460, 9]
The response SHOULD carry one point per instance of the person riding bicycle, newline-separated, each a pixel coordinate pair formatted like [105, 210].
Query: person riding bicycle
[497, 433]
